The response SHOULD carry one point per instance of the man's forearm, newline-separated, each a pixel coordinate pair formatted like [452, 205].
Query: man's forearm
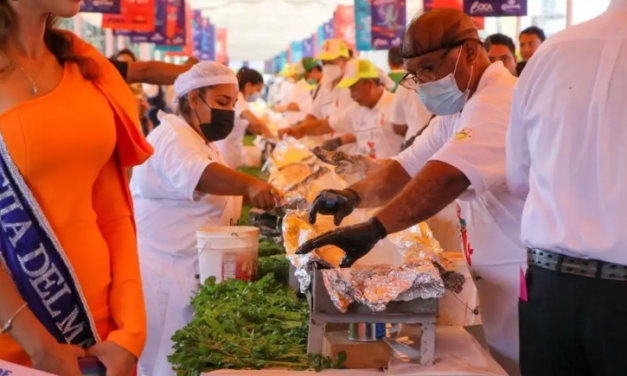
[379, 188]
[154, 72]
[314, 128]
[436, 185]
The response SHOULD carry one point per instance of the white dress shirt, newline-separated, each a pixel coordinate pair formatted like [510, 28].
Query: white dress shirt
[372, 128]
[567, 142]
[407, 109]
[474, 143]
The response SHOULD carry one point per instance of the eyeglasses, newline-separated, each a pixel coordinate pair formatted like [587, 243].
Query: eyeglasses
[411, 81]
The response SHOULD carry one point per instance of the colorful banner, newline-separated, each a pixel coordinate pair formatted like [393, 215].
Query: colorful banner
[157, 35]
[329, 30]
[276, 64]
[297, 51]
[197, 34]
[208, 42]
[188, 46]
[363, 24]
[321, 39]
[308, 46]
[175, 23]
[102, 6]
[457, 4]
[135, 15]
[222, 55]
[283, 60]
[389, 18]
[345, 24]
[495, 8]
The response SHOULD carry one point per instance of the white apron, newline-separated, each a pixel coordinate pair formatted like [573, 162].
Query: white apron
[169, 283]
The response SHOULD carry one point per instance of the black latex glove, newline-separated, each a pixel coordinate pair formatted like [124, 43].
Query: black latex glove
[339, 204]
[355, 240]
[332, 145]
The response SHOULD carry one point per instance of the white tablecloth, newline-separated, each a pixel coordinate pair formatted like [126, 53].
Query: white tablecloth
[457, 353]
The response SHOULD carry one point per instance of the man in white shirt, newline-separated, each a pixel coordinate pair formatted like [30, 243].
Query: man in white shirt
[462, 157]
[308, 74]
[566, 155]
[328, 98]
[368, 118]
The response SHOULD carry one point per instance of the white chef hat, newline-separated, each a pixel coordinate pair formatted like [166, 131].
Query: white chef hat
[203, 74]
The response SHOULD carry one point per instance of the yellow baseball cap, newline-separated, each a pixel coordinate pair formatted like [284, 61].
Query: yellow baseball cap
[356, 70]
[332, 49]
[288, 70]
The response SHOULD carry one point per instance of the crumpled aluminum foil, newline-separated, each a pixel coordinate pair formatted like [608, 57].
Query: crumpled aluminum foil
[376, 286]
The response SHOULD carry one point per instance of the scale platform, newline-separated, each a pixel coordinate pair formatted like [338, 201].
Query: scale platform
[323, 311]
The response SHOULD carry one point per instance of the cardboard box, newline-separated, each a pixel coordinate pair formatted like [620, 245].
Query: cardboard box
[359, 355]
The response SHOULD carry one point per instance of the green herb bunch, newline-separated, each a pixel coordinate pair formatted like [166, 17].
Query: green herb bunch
[245, 325]
[278, 265]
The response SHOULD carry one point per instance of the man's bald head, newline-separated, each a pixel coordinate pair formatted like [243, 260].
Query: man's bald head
[440, 28]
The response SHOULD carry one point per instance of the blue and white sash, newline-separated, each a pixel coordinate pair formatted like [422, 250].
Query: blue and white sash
[31, 253]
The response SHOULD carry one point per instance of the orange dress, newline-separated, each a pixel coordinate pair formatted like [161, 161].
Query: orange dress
[70, 146]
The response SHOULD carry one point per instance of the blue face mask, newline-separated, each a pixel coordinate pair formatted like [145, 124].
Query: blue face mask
[443, 97]
[253, 97]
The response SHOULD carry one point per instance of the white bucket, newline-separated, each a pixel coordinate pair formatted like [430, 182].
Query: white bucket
[228, 252]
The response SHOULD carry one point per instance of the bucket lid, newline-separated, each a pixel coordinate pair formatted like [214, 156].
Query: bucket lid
[227, 231]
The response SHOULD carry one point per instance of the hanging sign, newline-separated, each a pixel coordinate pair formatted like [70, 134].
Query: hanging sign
[456, 4]
[197, 34]
[363, 24]
[495, 8]
[308, 47]
[221, 46]
[101, 6]
[135, 15]
[188, 46]
[388, 23]
[345, 24]
[329, 29]
[208, 42]
[297, 51]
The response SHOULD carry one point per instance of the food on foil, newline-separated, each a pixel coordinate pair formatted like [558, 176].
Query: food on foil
[289, 151]
[417, 242]
[345, 164]
[376, 286]
[297, 230]
[290, 176]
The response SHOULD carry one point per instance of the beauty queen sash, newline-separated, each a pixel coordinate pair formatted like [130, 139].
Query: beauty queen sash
[31, 253]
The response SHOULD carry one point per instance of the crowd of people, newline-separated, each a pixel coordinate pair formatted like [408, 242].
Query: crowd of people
[95, 265]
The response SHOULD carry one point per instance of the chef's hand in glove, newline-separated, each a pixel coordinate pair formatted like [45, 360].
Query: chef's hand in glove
[332, 144]
[339, 204]
[355, 240]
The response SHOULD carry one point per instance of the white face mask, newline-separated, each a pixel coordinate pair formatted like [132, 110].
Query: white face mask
[443, 97]
[331, 72]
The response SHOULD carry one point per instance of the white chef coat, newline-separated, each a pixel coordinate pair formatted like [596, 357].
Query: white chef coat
[473, 141]
[372, 128]
[407, 109]
[301, 95]
[232, 147]
[330, 100]
[567, 141]
[285, 92]
[168, 211]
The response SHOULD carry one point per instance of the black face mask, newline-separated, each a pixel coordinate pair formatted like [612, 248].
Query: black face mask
[221, 125]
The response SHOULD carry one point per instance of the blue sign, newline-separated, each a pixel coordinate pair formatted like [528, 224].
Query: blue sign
[363, 25]
[495, 8]
[101, 6]
[297, 51]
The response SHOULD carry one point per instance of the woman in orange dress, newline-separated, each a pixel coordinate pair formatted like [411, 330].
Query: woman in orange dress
[70, 286]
